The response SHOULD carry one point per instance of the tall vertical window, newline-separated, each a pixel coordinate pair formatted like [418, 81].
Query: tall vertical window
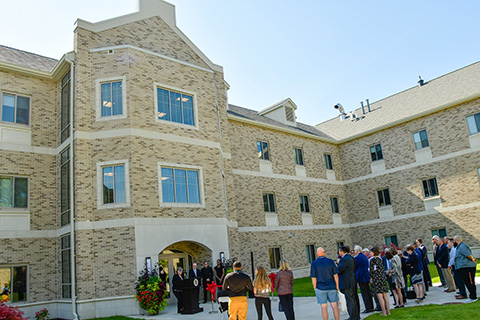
[304, 204]
[473, 122]
[298, 154]
[441, 232]
[376, 152]
[15, 108]
[420, 139]
[328, 161]
[275, 257]
[113, 184]
[384, 197]
[262, 150]
[112, 98]
[430, 188]
[16, 278]
[66, 266]
[334, 205]
[310, 250]
[13, 192]
[65, 187]
[175, 106]
[391, 239]
[268, 202]
[180, 185]
[65, 108]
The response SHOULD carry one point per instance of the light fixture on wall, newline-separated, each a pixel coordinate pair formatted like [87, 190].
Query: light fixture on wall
[148, 263]
[222, 257]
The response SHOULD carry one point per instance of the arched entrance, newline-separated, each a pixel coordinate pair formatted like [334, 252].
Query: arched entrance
[182, 254]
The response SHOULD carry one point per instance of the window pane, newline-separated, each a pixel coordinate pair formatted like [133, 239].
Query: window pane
[23, 105]
[106, 99]
[426, 192]
[386, 194]
[168, 193]
[432, 184]
[417, 141]
[187, 102]
[19, 285]
[300, 157]
[176, 106]
[163, 104]
[271, 200]
[8, 109]
[266, 207]
[181, 186]
[265, 151]
[119, 184]
[117, 101]
[442, 233]
[307, 204]
[21, 193]
[193, 191]
[477, 121]
[379, 152]
[107, 185]
[65, 112]
[424, 138]
[6, 192]
[259, 150]
[328, 161]
[381, 201]
[373, 154]
[64, 185]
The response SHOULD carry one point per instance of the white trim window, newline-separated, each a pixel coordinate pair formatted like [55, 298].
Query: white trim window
[65, 249]
[473, 123]
[180, 186]
[175, 106]
[304, 204]
[376, 152]
[15, 108]
[430, 187]
[298, 154]
[269, 202]
[420, 139]
[13, 192]
[334, 205]
[263, 150]
[17, 277]
[328, 161]
[111, 98]
[383, 197]
[113, 184]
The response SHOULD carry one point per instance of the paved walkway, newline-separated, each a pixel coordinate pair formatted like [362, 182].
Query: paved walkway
[305, 308]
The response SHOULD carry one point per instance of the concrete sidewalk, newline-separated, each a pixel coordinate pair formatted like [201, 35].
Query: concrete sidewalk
[305, 308]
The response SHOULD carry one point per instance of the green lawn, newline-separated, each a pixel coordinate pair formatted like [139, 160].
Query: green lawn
[436, 278]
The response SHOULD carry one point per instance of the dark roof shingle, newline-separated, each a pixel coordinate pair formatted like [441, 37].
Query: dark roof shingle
[26, 59]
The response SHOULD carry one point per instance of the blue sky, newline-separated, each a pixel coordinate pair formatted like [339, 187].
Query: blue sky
[317, 53]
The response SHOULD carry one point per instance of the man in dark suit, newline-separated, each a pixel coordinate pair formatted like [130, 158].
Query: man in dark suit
[347, 282]
[207, 276]
[363, 279]
[443, 257]
[194, 272]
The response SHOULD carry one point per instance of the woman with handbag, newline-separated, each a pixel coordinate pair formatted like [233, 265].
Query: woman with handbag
[284, 285]
[262, 288]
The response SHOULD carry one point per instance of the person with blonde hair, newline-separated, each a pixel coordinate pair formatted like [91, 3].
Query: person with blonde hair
[284, 285]
[262, 288]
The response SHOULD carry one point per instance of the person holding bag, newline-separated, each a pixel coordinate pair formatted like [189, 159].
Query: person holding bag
[262, 288]
[284, 285]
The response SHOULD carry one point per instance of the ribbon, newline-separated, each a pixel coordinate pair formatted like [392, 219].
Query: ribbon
[212, 287]
[272, 278]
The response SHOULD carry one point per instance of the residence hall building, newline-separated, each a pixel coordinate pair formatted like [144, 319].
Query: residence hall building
[126, 151]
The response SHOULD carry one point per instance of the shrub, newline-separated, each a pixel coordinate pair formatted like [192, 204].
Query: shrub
[151, 291]
[42, 315]
[10, 313]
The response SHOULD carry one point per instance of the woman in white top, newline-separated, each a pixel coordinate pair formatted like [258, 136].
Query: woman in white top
[262, 288]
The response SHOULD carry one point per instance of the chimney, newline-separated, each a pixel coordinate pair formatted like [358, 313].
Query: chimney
[368, 105]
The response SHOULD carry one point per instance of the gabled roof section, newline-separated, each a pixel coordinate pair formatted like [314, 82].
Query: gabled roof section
[445, 91]
[253, 117]
[278, 105]
[148, 9]
[26, 59]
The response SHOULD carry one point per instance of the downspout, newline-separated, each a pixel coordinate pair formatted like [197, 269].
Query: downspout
[72, 202]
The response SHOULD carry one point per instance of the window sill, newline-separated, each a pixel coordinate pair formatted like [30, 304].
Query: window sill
[108, 118]
[181, 205]
[377, 166]
[14, 210]
[113, 206]
[177, 124]
[423, 155]
[431, 203]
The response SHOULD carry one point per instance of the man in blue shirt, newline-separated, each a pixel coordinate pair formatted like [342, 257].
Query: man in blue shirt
[324, 276]
[466, 265]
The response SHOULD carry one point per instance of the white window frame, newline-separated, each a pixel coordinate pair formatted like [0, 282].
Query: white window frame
[262, 158]
[308, 200]
[98, 96]
[296, 157]
[468, 128]
[325, 157]
[29, 109]
[331, 205]
[12, 208]
[100, 204]
[383, 194]
[423, 190]
[274, 202]
[421, 147]
[376, 155]
[201, 189]
[157, 85]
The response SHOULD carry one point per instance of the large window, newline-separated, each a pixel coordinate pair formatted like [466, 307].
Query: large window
[262, 150]
[441, 232]
[334, 205]
[376, 152]
[310, 250]
[65, 108]
[328, 161]
[16, 279]
[339, 244]
[473, 122]
[384, 197]
[13, 192]
[304, 204]
[275, 257]
[65, 187]
[180, 185]
[112, 100]
[66, 266]
[430, 188]
[298, 155]
[268, 202]
[175, 106]
[15, 108]
[114, 184]
[392, 239]
[420, 139]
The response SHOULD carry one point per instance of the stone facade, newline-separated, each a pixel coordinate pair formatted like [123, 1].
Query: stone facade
[112, 242]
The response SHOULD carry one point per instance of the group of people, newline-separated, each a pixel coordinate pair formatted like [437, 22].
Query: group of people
[375, 275]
